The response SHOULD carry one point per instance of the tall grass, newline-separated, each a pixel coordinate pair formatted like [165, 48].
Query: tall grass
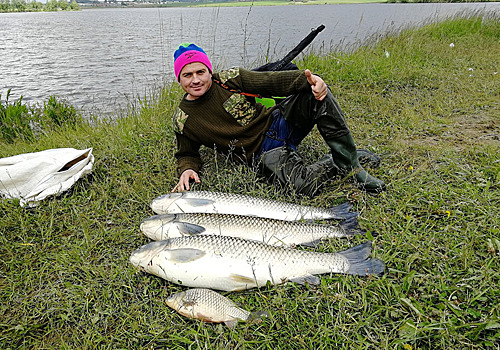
[429, 109]
[26, 122]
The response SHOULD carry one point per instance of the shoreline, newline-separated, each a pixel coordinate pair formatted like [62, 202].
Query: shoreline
[234, 4]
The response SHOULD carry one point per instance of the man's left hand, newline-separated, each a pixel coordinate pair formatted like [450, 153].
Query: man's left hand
[318, 86]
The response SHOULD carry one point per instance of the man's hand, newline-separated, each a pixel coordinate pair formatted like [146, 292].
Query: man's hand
[318, 86]
[184, 179]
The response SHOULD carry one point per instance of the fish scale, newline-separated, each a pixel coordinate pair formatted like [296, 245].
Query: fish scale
[269, 231]
[240, 204]
[230, 263]
[209, 306]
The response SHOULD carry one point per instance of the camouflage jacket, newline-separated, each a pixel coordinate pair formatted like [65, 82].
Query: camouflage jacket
[229, 122]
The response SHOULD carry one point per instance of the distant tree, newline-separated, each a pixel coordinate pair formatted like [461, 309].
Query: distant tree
[51, 5]
[34, 6]
[19, 5]
[74, 6]
[63, 5]
[4, 5]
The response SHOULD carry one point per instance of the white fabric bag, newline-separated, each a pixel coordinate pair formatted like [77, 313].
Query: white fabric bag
[32, 177]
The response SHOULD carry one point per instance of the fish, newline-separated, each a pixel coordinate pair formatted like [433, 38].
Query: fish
[269, 231]
[240, 204]
[209, 306]
[233, 264]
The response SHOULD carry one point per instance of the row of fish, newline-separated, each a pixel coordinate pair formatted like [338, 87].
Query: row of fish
[191, 213]
[233, 242]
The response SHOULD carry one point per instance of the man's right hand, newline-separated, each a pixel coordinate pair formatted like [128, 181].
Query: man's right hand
[318, 86]
[185, 179]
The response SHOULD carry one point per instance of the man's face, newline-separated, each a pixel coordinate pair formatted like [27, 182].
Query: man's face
[195, 78]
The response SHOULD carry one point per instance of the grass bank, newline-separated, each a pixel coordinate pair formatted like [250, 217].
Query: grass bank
[429, 108]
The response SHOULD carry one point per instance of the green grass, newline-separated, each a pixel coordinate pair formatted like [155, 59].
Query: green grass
[430, 110]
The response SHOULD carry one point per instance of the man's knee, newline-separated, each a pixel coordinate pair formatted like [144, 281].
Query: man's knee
[287, 167]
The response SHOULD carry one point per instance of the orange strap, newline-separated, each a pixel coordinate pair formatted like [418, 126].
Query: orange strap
[224, 86]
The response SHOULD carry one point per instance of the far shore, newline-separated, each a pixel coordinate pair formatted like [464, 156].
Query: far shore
[233, 4]
[287, 3]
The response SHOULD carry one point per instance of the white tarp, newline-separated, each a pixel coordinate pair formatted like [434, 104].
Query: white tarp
[33, 176]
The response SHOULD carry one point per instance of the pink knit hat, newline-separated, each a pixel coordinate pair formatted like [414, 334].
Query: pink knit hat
[188, 53]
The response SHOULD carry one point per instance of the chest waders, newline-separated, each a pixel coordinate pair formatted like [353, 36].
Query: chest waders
[295, 116]
[302, 112]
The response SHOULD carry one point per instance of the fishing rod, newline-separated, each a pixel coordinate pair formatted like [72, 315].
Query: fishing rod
[279, 65]
[298, 49]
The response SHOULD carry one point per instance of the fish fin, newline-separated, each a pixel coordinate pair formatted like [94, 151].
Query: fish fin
[309, 279]
[257, 316]
[198, 202]
[358, 253]
[231, 323]
[312, 244]
[359, 262]
[250, 281]
[351, 227]
[342, 211]
[185, 255]
[367, 267]
[186, 228]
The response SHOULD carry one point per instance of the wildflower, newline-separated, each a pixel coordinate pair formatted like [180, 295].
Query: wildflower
[407, 347]
[386, 53]
[471, 69]
[410, 168]
[448, 213]
[452, 45]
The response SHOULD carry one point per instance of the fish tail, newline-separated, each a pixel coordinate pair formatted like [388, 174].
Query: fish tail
[351, 227]
[358, 253]
[257, 316]
[342, 211]
[360, 263]
[367, 267]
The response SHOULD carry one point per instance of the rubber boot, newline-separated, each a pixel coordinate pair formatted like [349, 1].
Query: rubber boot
[287, 166]
[346, 158]
[368, 159]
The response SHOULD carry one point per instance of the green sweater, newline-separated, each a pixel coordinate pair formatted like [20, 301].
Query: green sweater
[228, 122]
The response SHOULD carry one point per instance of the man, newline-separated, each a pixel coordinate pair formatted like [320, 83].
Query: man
[216, 112]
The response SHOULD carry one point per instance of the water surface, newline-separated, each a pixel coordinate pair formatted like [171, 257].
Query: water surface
[109, 57]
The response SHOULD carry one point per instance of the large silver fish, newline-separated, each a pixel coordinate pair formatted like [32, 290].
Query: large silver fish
[209, 306]
[239, 204]
[230, 263]
[269, 231]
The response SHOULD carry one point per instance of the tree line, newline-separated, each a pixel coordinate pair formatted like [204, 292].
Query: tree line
[35, 6]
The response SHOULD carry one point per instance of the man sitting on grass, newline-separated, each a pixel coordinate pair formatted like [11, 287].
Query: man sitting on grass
[218, 113]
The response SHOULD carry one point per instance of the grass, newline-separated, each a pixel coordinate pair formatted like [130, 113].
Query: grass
[430, 110]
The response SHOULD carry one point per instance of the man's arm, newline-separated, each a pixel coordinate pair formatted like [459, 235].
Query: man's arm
[282, 83]
[185, 179]
[188, 163]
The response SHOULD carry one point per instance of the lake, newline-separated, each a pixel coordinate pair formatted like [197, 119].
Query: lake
[107, 58]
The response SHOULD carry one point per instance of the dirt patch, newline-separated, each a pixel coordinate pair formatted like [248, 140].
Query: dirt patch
[466, 131]
[476, 129]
